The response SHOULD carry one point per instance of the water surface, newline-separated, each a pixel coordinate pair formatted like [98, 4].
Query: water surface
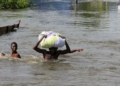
[92, 25]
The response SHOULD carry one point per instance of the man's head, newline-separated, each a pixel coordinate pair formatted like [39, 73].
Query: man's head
[13, 46]
[53, 49]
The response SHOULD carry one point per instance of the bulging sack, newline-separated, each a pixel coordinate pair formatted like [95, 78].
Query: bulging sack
[52, 40]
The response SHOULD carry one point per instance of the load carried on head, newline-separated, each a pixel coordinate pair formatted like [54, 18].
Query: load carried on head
[52, 39]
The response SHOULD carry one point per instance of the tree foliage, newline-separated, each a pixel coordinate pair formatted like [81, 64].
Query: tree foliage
[13, 4]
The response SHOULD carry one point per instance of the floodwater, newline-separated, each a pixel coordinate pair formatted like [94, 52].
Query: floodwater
[91, 24]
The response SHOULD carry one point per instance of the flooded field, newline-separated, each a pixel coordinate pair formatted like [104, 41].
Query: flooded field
[90, 24]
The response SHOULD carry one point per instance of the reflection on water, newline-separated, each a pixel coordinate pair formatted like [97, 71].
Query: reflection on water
[93, 6]
[93, 11]
[90, 24]
[53, 4]
[83, 5]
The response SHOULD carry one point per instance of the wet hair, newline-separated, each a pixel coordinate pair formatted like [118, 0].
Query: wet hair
[14, 43]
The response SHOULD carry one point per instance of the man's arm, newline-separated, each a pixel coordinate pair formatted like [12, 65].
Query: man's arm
[76, 50]
[67, 50]
[36, 46]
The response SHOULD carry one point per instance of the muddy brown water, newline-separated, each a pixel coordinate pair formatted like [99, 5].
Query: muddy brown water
[92, 25]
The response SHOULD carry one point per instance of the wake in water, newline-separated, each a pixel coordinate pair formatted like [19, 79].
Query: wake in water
[28, 59]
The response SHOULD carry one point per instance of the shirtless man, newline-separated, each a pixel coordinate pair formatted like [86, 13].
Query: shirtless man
[53, 53]
[14, 52]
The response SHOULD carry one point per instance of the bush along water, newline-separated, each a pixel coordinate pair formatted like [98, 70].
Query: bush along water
[14, 4]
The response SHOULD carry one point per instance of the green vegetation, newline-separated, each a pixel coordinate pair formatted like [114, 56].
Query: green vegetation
[13, 4]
